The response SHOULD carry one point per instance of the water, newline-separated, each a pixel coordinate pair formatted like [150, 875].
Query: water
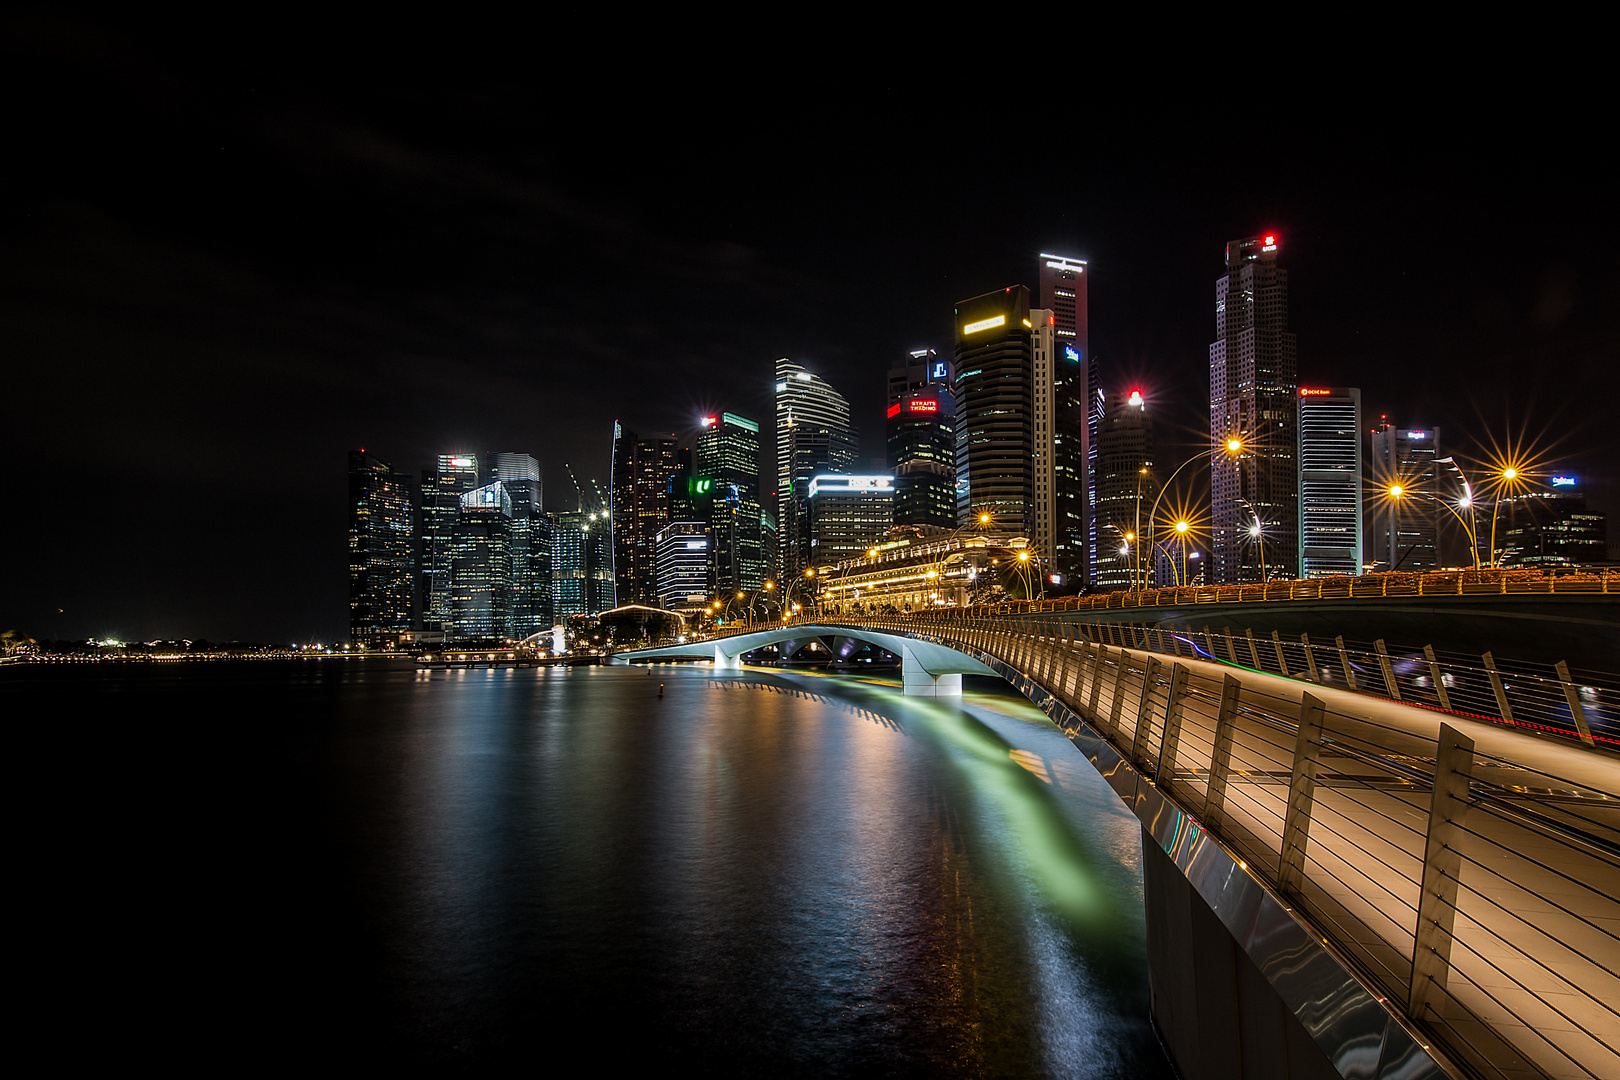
[357, 863]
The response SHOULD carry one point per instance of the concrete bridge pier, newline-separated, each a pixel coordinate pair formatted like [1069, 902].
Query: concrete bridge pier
[723, 659]
[920, 682]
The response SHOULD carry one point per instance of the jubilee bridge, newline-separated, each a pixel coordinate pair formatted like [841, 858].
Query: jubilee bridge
[1353, 867]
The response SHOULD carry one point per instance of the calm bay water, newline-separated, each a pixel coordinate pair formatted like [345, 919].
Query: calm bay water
[360, 863]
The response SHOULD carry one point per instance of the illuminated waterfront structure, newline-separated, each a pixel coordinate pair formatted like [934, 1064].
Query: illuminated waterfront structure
[1404, 533]
[379, 550]
[1126, 490]
[683, 554]
[481, 565]
[919, 572]
[814, 436]
[920, 431]
[441, 492]
[1253, 381]
[1550, 528]
[995, 394]
[726, 488]
[1069, 414]
[640, 486]
[847, 515]
[1330, 497]
[529, 610]
[581, 563]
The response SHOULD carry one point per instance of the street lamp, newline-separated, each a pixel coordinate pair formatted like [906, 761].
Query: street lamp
[1233, 446]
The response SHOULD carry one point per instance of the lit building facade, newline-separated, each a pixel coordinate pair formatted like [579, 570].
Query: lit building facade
[1126, 490]
[814, 436]
[1071, 414]
[727, 488]
[1330, 497]
[1551, 527]
[530, 609]
[581, 563]
[1404, 533]
[920, 432]
[683, 554]
[641, 486]
[1253, 384]
[481, 566]
[441, 492]
[995, 396]
[380, 563]
[847, 515]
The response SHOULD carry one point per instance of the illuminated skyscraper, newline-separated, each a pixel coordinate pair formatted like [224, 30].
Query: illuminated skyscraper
[814, 435]
[582, 563]
[1330, 540]
[481, 565]
[442, 489]
[1126, 490]
[379, 550]
[1404, 534]
[727, 486]
[995, 394]
[921, 436]
[683, 549]
[642, 470]
[1070, 414]
[530, 609]
[1253, 383]
[848, 515]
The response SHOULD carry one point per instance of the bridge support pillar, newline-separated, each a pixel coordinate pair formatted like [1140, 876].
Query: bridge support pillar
[724, 660]
[920, 683]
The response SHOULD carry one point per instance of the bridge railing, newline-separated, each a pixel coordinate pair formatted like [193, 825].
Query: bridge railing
[1474, 888]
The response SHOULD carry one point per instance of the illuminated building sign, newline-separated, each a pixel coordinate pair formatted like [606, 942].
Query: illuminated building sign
[1563, 481]
[881, 485]
[939, 371]
[924, 406]
[702, 487]
[1417, 434]
[894, 410]
[1270, 244]
[984, 324]
[1312, 393]
[1136, 399]
[461, 462]
[710, 421]
[1071, 353]
[741, 421]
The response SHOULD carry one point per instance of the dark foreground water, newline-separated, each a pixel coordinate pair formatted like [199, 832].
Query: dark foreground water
[358, 864]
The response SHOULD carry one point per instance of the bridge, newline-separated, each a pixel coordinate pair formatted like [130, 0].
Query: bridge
[1341, 878]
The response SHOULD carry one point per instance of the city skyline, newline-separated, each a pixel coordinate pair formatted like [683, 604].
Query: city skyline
[300, 268]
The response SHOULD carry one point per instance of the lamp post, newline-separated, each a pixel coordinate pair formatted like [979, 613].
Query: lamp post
[1257, 530]
[1401, 491]
[1234, 446]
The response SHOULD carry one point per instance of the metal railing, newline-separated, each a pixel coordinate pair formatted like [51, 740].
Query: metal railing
[1473, 884]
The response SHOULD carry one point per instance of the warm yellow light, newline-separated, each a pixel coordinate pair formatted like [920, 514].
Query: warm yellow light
[1182, 526]
[984, 519]
[769, 585]
[1510, 473]
[739, 595]
[1130, 537]
[1396, 491]
[1234, 445]
[984, 324]
[933, 573]
[1023, 556]
[809, 573]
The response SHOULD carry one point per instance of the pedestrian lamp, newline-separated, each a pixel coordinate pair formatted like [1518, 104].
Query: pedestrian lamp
[1182, 528]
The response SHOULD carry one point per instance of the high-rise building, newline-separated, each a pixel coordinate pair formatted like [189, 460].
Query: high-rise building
[684, 562]
[1550, 528]
[481, 565]
[1126, 491]
[727, 487]
[380, 565]
[848, 515]
[922, 369]
[995, 399]
[1071, 414]
[530, 610]
[581, 563]
[1253, 383]
[441, 492]
[921, 435]
[642, 471]
[1330, 507]
[814, 435]
[1404, 533]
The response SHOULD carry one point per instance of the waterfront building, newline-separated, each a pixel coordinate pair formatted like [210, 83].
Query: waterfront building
[684, 560]
[441, 492]
[847, 515]
[1404, 533]
[727, 488]
[917, 572]
[1070, 413]
[995, 396]
[582, 563]
[814, 436]
[920, 433]
[641, 488]
[380, 563]
[1126, 490]
[530, 609]
[1551, 527]
[481, 565]
[1330, 496]
[1253, 383]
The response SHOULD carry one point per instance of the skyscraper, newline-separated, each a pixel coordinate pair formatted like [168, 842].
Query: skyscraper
[582, 563]
[814, 436]
[1072, 413]
[683, 565]
[1330, 541]
[379, 550]
[640, 484]
[1126, 490]
[481, 565]
[1253, 382]
[442, 489]
[920, 432]
[848, 515]
[1404, 534]
[995, 396]
[727, 486]
[529, 611]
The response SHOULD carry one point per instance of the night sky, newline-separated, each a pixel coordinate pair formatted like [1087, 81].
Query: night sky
[224, 269]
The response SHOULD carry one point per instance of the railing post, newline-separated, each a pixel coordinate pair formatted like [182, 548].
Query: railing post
[1301, 794]
[1571, 695]
[1254, 651]
[1141, 738]
[1231, 648]
[1209, 642]
[1282, 661]
[1442, 865]
[1310, 657]
[1498, 689]
[1344, 660]
[1172, 723]
[1117, 706]
[1220, 758]
[1390, 685]
[1099, 656]
[1439, 679]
